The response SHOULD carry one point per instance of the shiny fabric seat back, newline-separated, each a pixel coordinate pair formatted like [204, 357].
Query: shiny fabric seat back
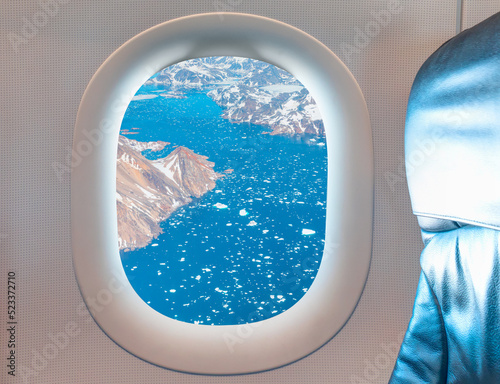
[452, 150]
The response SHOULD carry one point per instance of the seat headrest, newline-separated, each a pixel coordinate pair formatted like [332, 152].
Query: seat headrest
[452, 138]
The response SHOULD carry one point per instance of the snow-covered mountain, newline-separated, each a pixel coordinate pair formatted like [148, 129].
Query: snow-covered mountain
[211, 72]
[148, 191]
[141, 146]
[190, 172]
[286, 113]
[248, 91]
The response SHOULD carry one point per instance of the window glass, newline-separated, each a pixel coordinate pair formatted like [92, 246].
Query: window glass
[221, 191]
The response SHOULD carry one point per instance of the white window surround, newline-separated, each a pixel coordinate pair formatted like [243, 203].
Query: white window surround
[334, 294]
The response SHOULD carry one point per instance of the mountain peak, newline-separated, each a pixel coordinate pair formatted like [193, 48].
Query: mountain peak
[182, 150]
[148, 191]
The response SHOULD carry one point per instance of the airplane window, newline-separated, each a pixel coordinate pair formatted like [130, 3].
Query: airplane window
[220, 223]
[221, 191]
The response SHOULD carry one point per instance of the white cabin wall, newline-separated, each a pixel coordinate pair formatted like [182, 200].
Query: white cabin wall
[476, 11]
[41, 86]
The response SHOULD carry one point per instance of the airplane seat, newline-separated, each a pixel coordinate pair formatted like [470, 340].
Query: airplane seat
[452, 151]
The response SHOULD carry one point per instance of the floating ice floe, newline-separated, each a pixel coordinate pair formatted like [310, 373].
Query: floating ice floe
[220, 206]
[308, 232]
[252, 223]
[243, 212]
[265, 231]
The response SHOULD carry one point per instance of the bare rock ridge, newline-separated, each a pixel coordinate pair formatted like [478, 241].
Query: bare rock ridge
[148, 191]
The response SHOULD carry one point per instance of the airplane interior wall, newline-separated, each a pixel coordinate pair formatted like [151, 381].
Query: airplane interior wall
[43, 75]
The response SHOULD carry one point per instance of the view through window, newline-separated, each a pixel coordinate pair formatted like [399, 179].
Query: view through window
[221, 191]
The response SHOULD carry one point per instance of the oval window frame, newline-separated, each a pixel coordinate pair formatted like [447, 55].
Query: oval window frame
[337, 288]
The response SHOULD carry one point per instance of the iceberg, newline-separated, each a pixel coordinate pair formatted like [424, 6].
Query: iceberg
[307, 232]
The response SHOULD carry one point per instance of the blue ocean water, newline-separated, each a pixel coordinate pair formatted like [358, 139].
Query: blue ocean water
[250, 260]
